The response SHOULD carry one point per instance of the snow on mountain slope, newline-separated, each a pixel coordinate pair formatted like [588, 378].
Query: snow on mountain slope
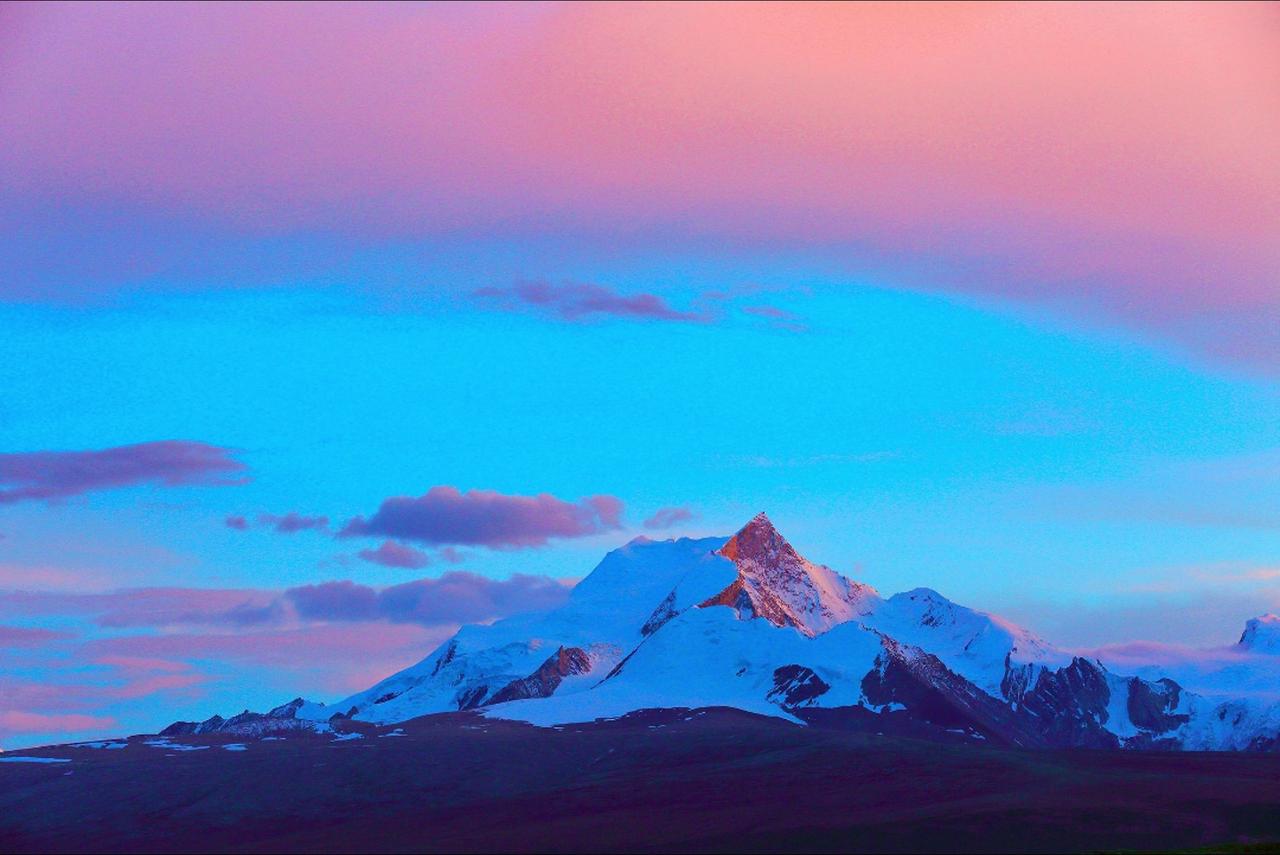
[710, 657]
[775, 583]
[1248, 668]
[1262, 635]
[602, 621]
[975, 645]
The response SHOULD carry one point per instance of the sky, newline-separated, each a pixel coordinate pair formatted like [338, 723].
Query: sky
[324, 330]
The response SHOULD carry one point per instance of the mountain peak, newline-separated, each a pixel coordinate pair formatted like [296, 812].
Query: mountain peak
[776, 583]
[758, 539]
[1261, 634]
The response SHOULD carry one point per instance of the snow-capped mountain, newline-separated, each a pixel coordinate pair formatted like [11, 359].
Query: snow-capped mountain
[1261, 635]
[749, 623]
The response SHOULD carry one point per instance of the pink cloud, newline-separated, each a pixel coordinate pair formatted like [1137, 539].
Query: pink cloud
[668, 517]
[580, 302]
[335, 647]
[392, 554]
[49, 475]
[332, 638]
[20, 721]
[1113, 159]
[61, 709]
[21, 636]
[151, 607]
[239, 523]
[1138, 654]
[454, 598]
[444, 515]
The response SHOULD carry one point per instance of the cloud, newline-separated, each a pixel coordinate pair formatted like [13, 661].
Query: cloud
[82, 683]
[303, 648]
[1114, 161]
[777, 318]
[170, 644]
[50, 475]
[19, 636]
[46, 577]
[392, 554]
[289, 523]
[152, 607]
[579, 302]
[343, 601]
[141, 677]
[445, 516]
[667, 517]
[21, 721]
[292, 522]
[456, 597]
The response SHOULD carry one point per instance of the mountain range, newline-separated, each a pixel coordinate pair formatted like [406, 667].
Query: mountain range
[746, 622]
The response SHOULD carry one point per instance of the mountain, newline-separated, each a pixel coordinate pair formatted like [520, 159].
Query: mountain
[748, 623]
[1262, 635]
[775, 583]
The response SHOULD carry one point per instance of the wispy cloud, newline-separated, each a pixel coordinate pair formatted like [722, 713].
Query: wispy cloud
[777, 318]
[293, 522]
[665, 518]
[21, 636]
[52, 475]
[579, 302]
[24, 721]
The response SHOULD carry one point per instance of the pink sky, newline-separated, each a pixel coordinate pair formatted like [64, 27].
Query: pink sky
[1121, 159]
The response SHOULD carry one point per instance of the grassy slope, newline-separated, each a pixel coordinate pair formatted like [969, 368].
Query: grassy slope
[723, 781]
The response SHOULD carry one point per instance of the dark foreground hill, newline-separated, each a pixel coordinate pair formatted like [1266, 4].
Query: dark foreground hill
[708, 780]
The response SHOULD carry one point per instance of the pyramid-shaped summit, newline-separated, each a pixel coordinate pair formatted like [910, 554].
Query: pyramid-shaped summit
[778, 584]
[758, 540]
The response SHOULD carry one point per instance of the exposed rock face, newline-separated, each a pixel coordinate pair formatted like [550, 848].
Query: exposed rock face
[1151, 705]
[565, 662]
[917, 682]
[283, 717]
[775, 583]
[472, 697]
[796, 685]
[449, 653]
[665, 611]
[1069, 704]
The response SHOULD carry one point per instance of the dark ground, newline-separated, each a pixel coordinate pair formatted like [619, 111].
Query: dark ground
[660, 781]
